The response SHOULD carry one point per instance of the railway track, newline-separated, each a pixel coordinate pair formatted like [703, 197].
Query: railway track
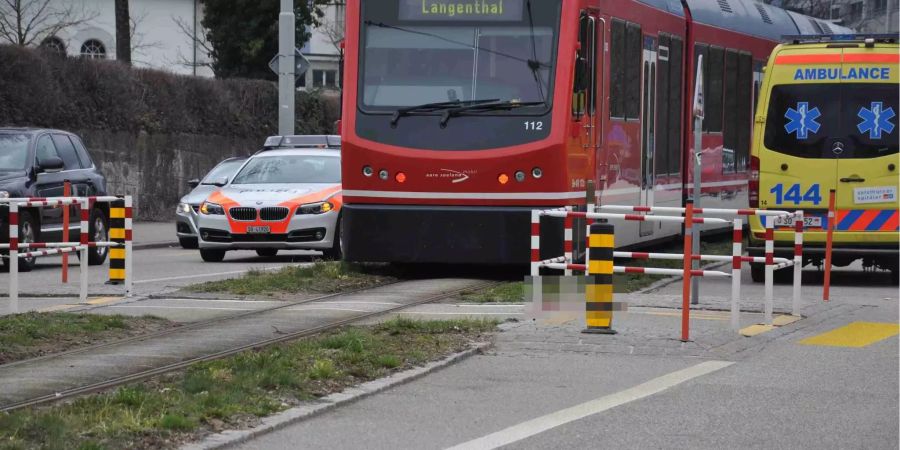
[281, 336]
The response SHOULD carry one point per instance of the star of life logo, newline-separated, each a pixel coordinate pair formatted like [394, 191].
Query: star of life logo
[802, 120]
[875, 120]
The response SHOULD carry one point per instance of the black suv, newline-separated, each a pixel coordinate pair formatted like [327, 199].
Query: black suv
[36, 163]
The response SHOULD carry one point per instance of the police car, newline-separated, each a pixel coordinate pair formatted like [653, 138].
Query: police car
[283, 198]
[827, 120]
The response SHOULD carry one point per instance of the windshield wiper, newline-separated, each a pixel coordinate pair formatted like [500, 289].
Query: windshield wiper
[427, 107]
[448, 113]
[533, 63]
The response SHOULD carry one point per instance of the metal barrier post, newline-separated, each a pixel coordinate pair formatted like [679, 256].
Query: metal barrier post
[829, 236]
[736, 262]
[67, 191]
[770, 269]
[117, 234]
[798, 262]
[567, 241]
[598, 286]
[589, 205]
[686, 281]
[129, 262]
[537, 293]
[14, 257]
[85, 218]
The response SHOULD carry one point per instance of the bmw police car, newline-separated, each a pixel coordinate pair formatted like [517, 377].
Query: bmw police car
[279, 199]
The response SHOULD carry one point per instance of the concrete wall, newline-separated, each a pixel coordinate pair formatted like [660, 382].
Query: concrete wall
[155, 168]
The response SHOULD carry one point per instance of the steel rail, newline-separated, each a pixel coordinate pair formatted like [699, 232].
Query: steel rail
[125, 379]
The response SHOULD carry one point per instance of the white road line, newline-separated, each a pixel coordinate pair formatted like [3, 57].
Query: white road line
[532, 427]
[209, 275]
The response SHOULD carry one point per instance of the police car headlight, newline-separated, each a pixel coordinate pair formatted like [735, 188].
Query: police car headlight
[212, 209]
[4, 194]
[315, 208]
[184, 208]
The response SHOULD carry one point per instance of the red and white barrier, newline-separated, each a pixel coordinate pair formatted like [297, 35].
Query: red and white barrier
[53, 248]
[737, 258]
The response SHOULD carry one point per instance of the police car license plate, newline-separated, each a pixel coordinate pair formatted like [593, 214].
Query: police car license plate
[258, 230]
[808, 221]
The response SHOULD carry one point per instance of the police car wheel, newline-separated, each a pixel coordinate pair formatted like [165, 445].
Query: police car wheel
[212, 255]
[335, 252]
[267, 252]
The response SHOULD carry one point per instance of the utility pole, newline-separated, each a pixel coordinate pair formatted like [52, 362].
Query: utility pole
[698, 151]
[286, 90]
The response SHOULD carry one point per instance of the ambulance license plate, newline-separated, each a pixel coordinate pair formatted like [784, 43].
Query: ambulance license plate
[808, 221]
[258, 230]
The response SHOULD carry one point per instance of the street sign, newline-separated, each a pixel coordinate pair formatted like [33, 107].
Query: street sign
[301, 64]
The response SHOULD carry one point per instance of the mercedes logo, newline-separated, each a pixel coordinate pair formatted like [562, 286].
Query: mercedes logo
[837, 148]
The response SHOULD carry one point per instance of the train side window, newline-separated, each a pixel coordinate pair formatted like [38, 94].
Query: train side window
[633, 49]
[676, 56]
[713, 98]
[731, 124]
[617, 70]
[703, 50]
[662, 106]
[744, 111]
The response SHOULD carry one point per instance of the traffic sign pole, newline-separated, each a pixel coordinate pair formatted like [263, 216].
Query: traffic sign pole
[286, 88]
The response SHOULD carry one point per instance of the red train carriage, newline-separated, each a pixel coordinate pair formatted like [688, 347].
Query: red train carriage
[461, 116]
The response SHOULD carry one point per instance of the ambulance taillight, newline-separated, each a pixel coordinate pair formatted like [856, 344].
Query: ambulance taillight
[753, 182]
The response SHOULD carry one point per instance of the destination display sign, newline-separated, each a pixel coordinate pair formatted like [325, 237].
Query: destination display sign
[462, 10]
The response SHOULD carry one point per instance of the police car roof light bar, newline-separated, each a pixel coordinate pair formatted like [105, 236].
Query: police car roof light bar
[859, 37]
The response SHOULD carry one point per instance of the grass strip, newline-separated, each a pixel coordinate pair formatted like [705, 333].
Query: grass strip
[321, 277]
[511, 292]
[34, 334]
[235, 392]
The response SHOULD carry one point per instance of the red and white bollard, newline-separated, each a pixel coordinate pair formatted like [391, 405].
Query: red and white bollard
[14, 258]
[770, 269]
[798, 262]
[128, 246]
[567, 241]
[85, 219]
[736, 261]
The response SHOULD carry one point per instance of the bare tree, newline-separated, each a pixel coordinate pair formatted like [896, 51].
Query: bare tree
[28, 22]
[137, 39]
[199, 44]
[334, 27]
[123, 32]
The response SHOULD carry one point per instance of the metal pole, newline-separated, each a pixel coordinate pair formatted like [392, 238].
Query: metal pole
[736, 252]
[14, 258]
[686, 282]
[286, 89]
[695, 242]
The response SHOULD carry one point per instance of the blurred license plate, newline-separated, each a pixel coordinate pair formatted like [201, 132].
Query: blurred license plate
[808, 221]
[258, 230]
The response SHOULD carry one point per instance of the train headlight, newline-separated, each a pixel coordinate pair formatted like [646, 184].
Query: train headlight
[537, 172]
[520, 176]
[368, 171]
[383, 174]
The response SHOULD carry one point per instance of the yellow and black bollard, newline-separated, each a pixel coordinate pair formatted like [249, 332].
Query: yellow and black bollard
[598, 287]
[117, 234]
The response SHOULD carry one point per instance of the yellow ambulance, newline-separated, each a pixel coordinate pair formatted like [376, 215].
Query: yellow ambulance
[827, 120]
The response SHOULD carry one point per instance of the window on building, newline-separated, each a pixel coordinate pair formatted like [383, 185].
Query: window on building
[324, 78]
[93, 49]
[878, 7]
[54, 44]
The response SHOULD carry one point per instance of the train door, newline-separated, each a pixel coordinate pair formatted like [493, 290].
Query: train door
[648, 129]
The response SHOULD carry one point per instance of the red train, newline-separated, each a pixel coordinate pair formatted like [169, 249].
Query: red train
[460, 116]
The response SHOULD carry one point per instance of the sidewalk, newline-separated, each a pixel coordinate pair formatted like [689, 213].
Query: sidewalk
[154, 235]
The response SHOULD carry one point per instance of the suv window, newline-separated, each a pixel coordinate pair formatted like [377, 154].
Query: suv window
[83, 155]
[45, 149]
[13, 151]
[806, 120]
[66, 151]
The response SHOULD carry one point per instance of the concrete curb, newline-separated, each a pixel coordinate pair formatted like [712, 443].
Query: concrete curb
[233, 437]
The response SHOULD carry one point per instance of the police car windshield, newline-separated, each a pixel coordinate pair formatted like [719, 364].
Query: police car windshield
[290, 169]
[13, 152]
[811, 120]
[224, 170]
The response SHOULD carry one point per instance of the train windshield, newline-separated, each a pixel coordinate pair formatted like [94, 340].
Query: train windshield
[429, 51]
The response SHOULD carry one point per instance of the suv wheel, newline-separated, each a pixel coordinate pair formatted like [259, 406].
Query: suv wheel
[27, 234]
[212, 255]
[99, 232]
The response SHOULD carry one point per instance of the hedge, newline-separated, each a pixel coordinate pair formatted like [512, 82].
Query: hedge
[42, 89]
